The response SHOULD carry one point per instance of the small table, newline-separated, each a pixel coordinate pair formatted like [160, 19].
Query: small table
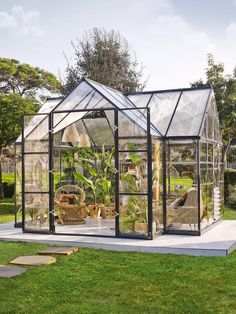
[70, 214]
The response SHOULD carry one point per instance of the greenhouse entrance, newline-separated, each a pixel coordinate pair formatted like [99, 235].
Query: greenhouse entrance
[88, 172]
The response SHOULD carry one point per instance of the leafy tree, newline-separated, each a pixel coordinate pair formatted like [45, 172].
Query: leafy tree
[106, 58]
[25, 80]
[225, 93]
[12, 108]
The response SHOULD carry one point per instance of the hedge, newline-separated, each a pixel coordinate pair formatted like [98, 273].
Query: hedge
[230, 186]
[8, 189]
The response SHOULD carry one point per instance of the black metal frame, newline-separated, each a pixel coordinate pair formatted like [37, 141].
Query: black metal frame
[117, 192]
[163, 138]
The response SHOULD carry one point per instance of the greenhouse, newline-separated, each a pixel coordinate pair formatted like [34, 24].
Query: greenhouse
[102, 163]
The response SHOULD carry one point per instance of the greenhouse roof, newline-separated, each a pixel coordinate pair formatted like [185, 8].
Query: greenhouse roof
[173, 113]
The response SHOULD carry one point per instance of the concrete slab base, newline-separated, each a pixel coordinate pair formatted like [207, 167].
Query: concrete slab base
[34, 260]
[11, 271]
[218, 241]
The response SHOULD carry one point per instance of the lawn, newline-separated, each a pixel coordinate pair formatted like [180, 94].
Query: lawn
[229, 213]
[96, 281]
[7, 210]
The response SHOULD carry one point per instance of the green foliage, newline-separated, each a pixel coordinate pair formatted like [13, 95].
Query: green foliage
[106, 58]
[230, 187]
[225, 93]
[100, 172]
[23, 79]
[12, 108]
[8, 189]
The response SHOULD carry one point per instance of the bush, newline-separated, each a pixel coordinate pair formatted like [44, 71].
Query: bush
[230, 187]
[8, 189]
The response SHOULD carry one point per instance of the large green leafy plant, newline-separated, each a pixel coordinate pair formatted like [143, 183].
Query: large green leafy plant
[98, 173]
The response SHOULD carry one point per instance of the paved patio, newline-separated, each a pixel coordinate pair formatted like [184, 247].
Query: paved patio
[218, 241]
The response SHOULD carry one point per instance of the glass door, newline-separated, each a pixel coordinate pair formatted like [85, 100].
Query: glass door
[134, 174]
[35, 173]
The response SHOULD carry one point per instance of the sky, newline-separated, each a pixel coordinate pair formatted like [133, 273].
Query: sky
[171, 38]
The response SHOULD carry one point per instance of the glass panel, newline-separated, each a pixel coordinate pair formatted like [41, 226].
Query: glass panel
[203, 152]
[210, 126]
[182, 208]
[216, 129]
[182, 193]
[133, 172]
[36, 173]
[133, 143]
[37, 211]
[140, 100]
[182, 151]
[204, 130]
[210, 152]
[133, 215]
[162, 106]
[157, 184]
[189, 114]
[93, 100]
[212, 106]
[207, 207]
[18, 182]
[100, 131]
[117, 98]
[36, 133]
[130, 128]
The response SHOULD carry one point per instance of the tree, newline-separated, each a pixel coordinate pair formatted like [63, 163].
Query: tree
[225, 92]
[25, 80]
[12, 108]
[106, 58]
[20, 85]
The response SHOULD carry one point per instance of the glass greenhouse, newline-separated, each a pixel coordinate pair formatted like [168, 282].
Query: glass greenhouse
[101, 163]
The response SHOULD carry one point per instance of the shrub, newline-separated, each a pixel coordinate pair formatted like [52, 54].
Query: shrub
[230, 186]
[8, 189]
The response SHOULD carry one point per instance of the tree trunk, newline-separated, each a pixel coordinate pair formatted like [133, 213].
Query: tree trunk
[1, 185]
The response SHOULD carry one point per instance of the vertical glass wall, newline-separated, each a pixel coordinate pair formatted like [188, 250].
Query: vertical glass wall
[157, 185]
[18, 185]
[181, 186]
[35, 154]
[211, 168]
[133, 177]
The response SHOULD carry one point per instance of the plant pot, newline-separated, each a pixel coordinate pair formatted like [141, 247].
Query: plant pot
[94, 211]
[141, 226]
[108, 212]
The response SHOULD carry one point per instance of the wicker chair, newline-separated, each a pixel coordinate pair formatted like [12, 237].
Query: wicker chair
[186, 213]
[69, 213]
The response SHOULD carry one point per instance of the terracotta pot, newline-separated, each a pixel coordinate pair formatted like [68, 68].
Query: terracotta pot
[141, 226]
[94, 211]
[108, 212]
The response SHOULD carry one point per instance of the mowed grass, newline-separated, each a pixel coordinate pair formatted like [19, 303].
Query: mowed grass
[96, 281]
[7, 210]
[229, 214]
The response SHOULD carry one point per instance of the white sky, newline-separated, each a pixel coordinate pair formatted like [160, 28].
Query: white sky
[170, 37]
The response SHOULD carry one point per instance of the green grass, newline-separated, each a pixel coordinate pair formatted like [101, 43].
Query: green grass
[8, 177]
[7, 210]
[229, 213]
[96, 281]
